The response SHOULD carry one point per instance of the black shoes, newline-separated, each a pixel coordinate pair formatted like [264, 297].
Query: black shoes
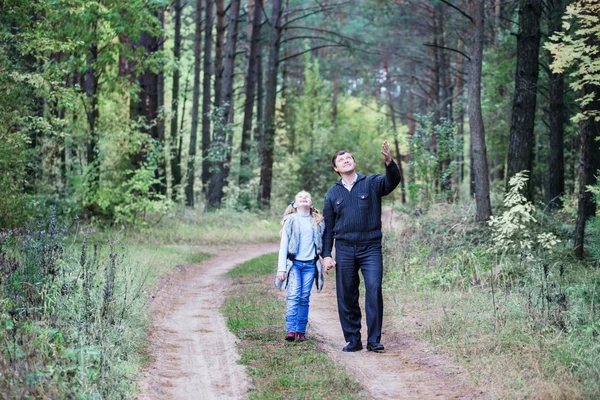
[375, 346]
[354, 345]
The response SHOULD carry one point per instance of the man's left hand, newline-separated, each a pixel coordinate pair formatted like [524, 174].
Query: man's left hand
[385, 150]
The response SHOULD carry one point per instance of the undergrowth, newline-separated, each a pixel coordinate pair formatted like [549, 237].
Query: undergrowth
[72, 314]
[524, 317]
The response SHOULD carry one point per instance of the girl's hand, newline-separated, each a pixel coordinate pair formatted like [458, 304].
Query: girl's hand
[281, 275]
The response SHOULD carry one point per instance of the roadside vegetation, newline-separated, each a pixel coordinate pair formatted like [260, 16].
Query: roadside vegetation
[507, 299]
[74, 306]
[277, 369]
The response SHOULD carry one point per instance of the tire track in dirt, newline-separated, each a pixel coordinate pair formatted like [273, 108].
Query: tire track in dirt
[193, 354]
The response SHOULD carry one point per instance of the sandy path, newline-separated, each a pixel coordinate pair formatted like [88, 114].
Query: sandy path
[407, 370]
[194, 357]
[193, 354]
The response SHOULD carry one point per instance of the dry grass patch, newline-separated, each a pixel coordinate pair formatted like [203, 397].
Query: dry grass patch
[505, 359]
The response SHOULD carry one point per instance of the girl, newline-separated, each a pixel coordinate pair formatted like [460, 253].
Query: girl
[299, 264]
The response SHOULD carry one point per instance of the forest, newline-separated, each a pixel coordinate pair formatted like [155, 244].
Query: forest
[130, 125]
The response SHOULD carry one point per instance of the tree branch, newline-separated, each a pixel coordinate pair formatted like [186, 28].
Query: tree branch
[311, 49]
[457, 9]
[448, 48]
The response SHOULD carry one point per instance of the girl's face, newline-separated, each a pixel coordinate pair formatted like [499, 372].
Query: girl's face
[303, 199]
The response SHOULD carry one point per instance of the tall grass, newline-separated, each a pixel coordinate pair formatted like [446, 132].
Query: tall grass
[526, 326]
[73, 316]
[74, 301]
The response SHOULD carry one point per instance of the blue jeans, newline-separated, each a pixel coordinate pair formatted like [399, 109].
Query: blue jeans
[300, 281]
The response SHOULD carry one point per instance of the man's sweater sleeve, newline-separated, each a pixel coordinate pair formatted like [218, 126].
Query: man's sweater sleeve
[390, 180]
[328, 216]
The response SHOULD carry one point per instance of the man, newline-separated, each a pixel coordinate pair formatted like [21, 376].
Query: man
[352, 213]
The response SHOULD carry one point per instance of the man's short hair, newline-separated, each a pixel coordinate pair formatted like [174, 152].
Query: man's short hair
[339, 153]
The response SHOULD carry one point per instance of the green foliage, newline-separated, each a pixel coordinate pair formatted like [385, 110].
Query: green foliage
[539, 314]
[133, 197]
[46, 112]
[302, 163]
[578, 46]
[73, 317]
[431, 168]
[512, 230]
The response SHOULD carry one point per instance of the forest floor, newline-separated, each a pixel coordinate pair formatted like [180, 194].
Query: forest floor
[193, 355]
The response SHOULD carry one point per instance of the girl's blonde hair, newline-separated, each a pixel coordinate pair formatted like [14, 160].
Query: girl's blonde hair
[317, 217]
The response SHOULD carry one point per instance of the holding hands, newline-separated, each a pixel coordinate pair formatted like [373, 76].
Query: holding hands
[328, 263]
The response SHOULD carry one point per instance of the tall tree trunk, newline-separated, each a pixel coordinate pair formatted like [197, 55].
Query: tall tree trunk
[160, 131]
[149, 102]
[397, 148]
[176, 154]
[556, 114]
[479, 156]
[286, 110]
[266, 171]
[589, 164]
[219, 39]
[225, 128]
[260, 95]
[520, 146]
[91, 91]
[189, 188]
[460, 116]
[206, 91]
[250, 91]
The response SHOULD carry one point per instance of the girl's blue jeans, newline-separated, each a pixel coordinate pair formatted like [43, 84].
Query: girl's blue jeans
[300, 281]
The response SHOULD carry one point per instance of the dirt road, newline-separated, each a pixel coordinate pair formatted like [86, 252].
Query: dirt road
[407, 370]
[193, 354]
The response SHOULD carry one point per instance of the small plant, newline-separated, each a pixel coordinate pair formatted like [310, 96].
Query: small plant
[512, 230]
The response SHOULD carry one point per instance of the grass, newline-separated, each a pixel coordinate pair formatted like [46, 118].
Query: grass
[192, 227]
[74, 302]
[255, 313]
[523, 329]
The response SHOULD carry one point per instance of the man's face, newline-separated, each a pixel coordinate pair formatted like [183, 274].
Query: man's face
[344, 163]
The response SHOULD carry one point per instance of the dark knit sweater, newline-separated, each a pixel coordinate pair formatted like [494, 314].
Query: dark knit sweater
[354, 217]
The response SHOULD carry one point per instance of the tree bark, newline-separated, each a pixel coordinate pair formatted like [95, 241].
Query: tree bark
[91, 91]
[250, 91]
[266, 172]
[222, 134]
[176, 154]
[589, 165]
[189, 189]
[479, 156]
[149, 102]
[219, 39]
[206, 92]
[520, 146]
[556, 115]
